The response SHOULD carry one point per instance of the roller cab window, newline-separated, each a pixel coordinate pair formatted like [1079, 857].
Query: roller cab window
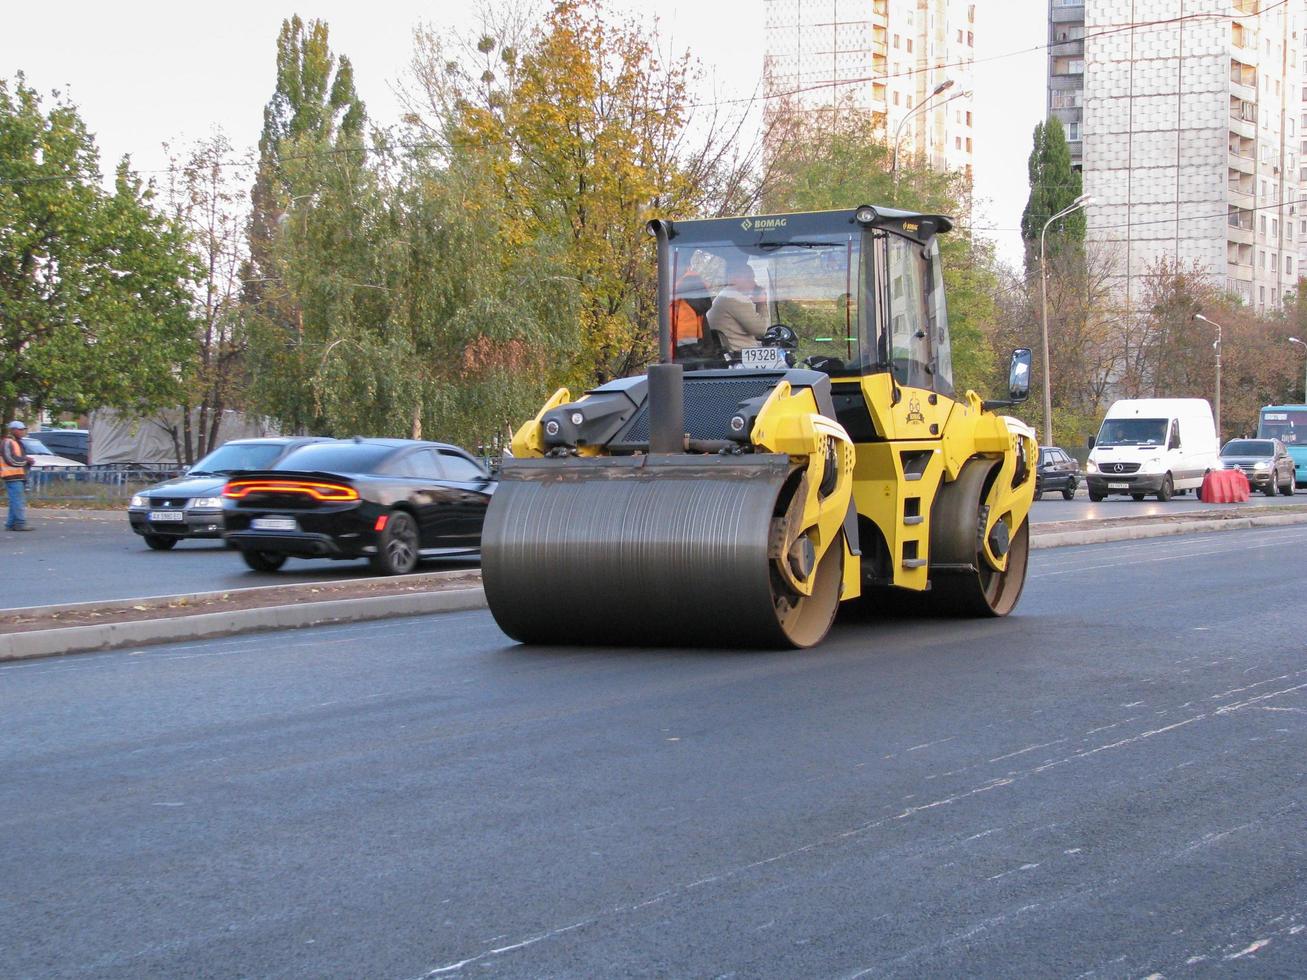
[772, 304]
[919, 352]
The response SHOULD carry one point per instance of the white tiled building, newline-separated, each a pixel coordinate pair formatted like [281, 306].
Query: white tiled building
[885, 57]
[1193, 114]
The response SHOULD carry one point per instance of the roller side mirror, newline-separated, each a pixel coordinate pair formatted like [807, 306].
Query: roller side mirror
[1018, 377]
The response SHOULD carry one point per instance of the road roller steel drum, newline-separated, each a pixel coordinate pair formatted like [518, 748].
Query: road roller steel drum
[646, 550]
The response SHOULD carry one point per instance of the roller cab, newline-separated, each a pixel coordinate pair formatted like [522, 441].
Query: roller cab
[798, 445]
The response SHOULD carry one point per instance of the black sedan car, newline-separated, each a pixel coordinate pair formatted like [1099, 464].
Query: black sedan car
[1266, 463]
[190, 506]
[1057, 470]
[392, 501]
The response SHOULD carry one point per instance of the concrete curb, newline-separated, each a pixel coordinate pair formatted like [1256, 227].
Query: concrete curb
[1132, 532]
[289, 591]
[114, 636]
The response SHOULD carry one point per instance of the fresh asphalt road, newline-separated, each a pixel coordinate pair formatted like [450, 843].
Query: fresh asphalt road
[97, 557]
[1110, 782]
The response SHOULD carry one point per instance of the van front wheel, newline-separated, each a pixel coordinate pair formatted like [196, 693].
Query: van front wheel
[1168, 489]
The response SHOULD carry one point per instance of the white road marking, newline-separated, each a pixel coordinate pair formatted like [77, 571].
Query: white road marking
[1259, 944]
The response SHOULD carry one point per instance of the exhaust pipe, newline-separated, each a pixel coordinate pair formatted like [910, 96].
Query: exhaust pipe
[666, 409]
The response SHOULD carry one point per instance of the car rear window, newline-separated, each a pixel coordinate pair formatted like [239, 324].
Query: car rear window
[239, 456]
[1249, 447]
[335, 457]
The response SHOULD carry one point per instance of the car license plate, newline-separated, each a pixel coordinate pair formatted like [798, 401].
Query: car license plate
[274, 524]
[1118, 486]
[762, 357]
[161, 516]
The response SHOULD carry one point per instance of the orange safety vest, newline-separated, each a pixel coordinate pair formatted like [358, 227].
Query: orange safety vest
[687, 325]
[8, 472]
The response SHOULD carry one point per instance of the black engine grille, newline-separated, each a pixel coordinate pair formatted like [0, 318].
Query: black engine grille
[1110, 468]
[709, 405]
[176, 503]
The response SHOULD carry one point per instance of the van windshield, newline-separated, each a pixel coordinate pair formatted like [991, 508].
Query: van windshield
[1132, 432]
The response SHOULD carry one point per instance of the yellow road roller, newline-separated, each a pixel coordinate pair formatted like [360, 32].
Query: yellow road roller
[799, 444]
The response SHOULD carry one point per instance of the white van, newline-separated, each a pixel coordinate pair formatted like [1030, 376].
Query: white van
[1153, 445]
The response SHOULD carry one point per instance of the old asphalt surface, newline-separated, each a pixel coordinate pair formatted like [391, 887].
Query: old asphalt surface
[1110, 782]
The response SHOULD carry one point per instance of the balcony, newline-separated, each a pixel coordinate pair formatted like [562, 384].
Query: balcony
[1241, 236]
[1068, 49]
[1246, 128]
[1245, 165]
[1236, 271]
[1240, 198]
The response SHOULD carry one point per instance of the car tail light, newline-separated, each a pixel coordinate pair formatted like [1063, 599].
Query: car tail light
[333, 492]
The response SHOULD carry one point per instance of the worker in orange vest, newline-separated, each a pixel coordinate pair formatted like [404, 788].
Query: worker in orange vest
[689, 310]
[14, 464]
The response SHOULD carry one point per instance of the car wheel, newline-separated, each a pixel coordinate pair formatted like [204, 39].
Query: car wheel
[1286, 488]
[1069, 491]
[1168, 489]
[397, 550]
[264, 561]
[1097, 496]
[1270, 489]
[160, 542]
[1138, 496]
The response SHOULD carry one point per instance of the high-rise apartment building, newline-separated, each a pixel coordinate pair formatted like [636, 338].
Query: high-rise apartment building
[1066, 70]
[884, 57]
[1192, 127]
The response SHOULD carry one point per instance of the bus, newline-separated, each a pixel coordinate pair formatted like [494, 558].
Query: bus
[1288, 423]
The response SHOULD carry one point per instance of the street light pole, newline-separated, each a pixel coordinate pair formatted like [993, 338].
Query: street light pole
[1084, 200]
[894, 159]
[1303, 345]
[1216, 347]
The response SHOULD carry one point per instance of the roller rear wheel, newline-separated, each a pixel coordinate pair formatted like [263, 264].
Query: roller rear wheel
[962, 581]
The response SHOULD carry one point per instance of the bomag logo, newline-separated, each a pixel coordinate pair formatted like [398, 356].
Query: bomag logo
[762, 224]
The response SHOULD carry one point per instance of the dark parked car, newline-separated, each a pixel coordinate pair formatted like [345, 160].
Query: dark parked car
[190, 506]
[1266, 463]
[392, 501]
[72, 444]
[1057, 470]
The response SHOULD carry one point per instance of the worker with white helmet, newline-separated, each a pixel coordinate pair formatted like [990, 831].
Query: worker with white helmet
[14, 464]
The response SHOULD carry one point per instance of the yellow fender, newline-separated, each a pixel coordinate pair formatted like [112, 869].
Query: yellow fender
[528, 441]
[790, 423]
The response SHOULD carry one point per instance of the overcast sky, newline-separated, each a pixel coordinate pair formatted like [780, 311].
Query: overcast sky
[150, 71]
